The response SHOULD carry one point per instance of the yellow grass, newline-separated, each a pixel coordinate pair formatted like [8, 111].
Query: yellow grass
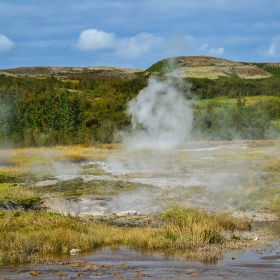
[8, 173]
[25, 156]
[25, 236]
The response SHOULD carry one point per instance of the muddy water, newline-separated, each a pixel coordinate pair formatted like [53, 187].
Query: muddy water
[125, 264]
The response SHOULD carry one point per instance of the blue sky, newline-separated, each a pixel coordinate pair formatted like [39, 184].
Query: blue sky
[136, 33]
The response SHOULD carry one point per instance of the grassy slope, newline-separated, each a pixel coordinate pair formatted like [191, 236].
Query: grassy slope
[167, 65]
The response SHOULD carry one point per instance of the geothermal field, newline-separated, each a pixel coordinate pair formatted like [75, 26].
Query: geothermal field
[231, 177]
[124, 188]
[128, 187]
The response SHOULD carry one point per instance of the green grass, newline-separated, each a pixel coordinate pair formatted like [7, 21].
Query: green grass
[14, 173]
[75, 188]
[26, 236]
[164, 66]
[273, 70]
[246, 155]
[17, 194]
[225, 100]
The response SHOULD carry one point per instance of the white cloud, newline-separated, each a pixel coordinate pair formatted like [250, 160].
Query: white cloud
[93, 40]
[216, 51]
[272, 49]
[203, 48]
[5, 43]
[212, 51]
[142, 44]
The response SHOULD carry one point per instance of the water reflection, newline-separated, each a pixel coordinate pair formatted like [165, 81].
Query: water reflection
[257, 256]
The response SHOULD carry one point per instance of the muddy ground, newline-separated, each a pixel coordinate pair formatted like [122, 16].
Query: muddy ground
[219, 177]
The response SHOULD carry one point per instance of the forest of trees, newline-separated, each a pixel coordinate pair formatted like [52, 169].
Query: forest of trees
[49, 111]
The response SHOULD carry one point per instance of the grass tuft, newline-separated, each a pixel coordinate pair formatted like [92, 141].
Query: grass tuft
[25, 236]
[272, 165]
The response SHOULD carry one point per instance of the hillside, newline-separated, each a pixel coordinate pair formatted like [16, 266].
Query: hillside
[212, 68]
[182, 66]
[42, 106]
[72, 72]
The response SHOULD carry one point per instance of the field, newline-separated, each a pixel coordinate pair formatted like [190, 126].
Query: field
[200, 195]
[249, 100]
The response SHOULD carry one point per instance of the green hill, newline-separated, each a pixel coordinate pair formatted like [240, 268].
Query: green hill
[213, 68]
[42, 106]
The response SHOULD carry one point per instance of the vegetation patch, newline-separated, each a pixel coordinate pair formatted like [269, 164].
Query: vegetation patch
[27, 236]
[78, 187]
[272, 165]
[164, 66]
[18, 195]
[49, 112]
[14, 173]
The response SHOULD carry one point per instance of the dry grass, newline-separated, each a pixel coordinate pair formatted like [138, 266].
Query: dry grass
[33, 155]
[272, 165]
[38, 163]
[25, 236]
[8, 173]
[17, 194]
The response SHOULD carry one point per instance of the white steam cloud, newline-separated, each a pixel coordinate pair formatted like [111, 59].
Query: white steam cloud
[55, 164]
[161, 117]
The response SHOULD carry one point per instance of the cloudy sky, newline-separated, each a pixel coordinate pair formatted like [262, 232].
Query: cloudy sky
[136, 33]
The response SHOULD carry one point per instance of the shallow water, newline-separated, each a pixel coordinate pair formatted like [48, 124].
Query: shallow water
[126, 264]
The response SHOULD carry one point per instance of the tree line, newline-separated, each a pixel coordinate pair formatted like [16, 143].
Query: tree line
[50, 111]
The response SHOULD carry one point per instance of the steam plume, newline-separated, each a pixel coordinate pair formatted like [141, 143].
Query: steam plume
[161, 117]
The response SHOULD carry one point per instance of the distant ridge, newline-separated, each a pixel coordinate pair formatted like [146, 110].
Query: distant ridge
[183, 66]
[210, 67]
[72, 72]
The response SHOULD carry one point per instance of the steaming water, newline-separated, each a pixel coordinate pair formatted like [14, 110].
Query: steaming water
[160, 115]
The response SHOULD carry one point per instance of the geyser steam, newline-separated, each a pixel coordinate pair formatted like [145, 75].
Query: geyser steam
[161, 116]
